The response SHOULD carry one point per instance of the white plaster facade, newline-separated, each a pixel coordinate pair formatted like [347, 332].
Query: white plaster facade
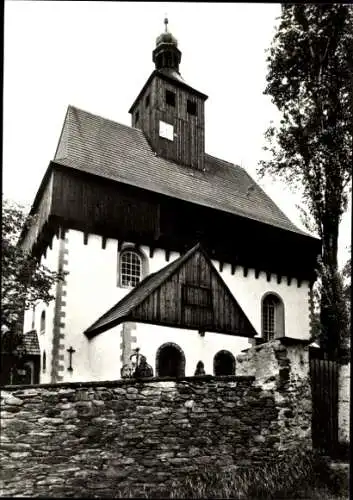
[92, 287]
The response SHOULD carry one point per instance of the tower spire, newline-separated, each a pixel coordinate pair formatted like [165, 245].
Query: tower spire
[166, 55]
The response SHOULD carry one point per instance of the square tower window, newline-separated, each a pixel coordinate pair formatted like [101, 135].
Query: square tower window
[166, 130]
[170, 98]
[191, 107]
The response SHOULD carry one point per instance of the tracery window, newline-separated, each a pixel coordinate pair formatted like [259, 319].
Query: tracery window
[272, 317]
[130, 268]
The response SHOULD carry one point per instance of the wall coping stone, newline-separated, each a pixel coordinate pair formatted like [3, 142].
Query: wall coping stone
[131, 381]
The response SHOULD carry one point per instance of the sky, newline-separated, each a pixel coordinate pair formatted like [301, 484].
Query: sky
[97, 56]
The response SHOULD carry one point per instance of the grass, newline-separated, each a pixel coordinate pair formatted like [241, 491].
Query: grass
[298, 475]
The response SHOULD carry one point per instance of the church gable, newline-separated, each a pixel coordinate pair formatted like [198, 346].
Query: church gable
[188, 293]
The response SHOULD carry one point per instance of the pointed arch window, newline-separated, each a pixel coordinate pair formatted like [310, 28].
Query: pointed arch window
[44, 361]
[272, 317]
[130, 268]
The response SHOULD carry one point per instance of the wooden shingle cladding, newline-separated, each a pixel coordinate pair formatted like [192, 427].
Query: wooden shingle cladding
[161, 299]
[188, 144]
[93, 204]
[119, 153]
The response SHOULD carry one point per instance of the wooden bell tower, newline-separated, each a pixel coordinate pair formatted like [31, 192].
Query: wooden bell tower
[169, 111]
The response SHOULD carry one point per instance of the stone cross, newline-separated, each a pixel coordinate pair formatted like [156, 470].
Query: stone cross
[70, 351]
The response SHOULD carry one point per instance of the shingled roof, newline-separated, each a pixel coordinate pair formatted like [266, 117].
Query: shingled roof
[114, 151]
[31, 343]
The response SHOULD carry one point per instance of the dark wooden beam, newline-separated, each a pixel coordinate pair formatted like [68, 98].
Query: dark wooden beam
[151, 252]
[299, 282]
[220, 266]
[245, 271]
[233, 268]
[120, 244]
[85, 238]
[289, 280]
[268, 276]
[279, 278]
[257, 272]
[167, 255]
[104, 242]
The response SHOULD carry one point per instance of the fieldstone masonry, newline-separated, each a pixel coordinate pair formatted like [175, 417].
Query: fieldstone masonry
[282, 367]
[86, 439]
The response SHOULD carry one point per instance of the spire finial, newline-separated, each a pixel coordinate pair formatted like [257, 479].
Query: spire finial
[166, 23]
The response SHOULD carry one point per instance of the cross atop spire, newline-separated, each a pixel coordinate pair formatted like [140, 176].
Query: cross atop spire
[166, 23]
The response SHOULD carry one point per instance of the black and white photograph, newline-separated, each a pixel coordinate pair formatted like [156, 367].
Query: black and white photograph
[176, 250]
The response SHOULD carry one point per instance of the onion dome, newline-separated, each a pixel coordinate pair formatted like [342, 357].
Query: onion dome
[166, 36]
[166, 55]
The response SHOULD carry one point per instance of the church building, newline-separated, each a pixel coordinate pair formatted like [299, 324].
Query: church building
[166, 248]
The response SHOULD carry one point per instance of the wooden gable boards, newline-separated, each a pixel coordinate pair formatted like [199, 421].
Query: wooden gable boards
[188, 293]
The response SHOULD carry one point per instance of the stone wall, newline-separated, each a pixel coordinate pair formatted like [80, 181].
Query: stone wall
[86, 439]
[344, 387]
[282, 367]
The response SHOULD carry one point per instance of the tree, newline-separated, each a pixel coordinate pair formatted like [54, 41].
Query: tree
[309, 79]
[25, 281]
[346, 278]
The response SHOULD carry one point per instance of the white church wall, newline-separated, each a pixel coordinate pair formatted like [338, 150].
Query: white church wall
[104, 355]
[32, 318]
[92, 287]
[90, 291]
[249, 292]
[196, 348]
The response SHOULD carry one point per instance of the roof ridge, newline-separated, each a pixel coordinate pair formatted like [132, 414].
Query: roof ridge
[94, 115]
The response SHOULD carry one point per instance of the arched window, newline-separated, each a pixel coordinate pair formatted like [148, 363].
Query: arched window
[44, 361]
[130, 268]
[42, 322]
[272, 317]
[170, 361]
[224, 363]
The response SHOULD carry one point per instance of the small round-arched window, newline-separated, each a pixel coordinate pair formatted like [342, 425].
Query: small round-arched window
[272, 317]
[130, 268]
